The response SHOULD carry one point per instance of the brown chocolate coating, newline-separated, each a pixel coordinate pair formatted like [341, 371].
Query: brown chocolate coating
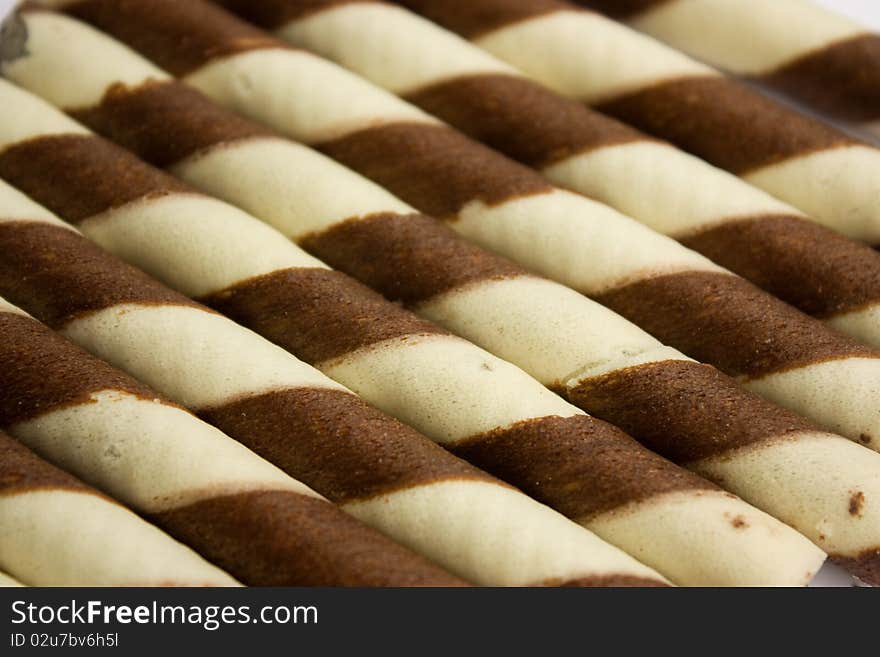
[178, 36]
[336, 443]
[724, 320]
[865, 566]
[813, 268]
[43, 372]
[723, 122]
[578, 465]
[165, 122]
[407, 258]
[59, 275]
[520, 118]
[476, 17]
[842, 80]
[21, 470]
[317, 314]
[685, 411]
[55, 170]
[434, 168]
[279, 538]
[273, 14]
[621, 8]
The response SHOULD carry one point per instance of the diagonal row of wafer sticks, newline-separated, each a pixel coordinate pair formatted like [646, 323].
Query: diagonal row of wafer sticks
[190, 135]
[680, 297]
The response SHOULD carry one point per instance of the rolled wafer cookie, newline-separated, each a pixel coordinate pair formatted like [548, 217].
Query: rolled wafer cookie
[198, 484]
[571, 342]
[487, 410]
[376, 468]
[57, 531]
[830, 176]
[713, 212]
[7, 581]
[676, 294]
[817, 56]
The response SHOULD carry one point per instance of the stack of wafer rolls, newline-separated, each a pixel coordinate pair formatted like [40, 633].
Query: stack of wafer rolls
[713, 212]
[571, 342]
[824, 172]
[486, 409]
[57, 531]
[816, 56]
[378, 469]
[201, 486]
[679, 296]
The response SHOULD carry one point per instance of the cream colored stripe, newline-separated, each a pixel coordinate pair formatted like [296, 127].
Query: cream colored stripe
[747, 37]
[841, 395]
[389, 45]
[151, 456]
[15, 206]
[58, 44]
[839, 188]
[70, 538]
[664, 188]
[196, 244]
[482, 544]
[307, 98]
[587, 56]
[445, 387]
[6, 307]
[193, 356]
[547, 329]
[578, 242]
[710, 538]
[33, 117]
[810, 482]
[861, 324]
[7, 582]
[294, 189]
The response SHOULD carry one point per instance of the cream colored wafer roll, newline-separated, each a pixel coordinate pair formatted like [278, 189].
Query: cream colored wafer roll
[290, 413]
[816, 56]
[732, 223]
[505, 308]
[7, 582]
[825, 173]
[665, 288]
[201, 486]
[57, 531]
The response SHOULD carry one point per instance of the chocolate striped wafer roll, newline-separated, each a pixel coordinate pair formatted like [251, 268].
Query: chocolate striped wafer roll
[489, 411]
[827, 174]
[734, 224]
[378, 469]
[676, 294]
[57, 531]
[570, 341]
[202, 487]
[816, 56]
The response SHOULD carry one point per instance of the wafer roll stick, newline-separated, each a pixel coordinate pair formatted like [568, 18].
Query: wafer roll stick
[57, 531]
[294, 416]
[676, 294]
[571, 342]
[816, 56]
[198, 484]
[827, 174]
[485, 408]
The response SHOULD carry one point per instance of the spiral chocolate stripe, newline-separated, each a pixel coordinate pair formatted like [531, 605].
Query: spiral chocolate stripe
[55, 533]
[153, 471]
[625, 8]
[820, 57]
[382, 471]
